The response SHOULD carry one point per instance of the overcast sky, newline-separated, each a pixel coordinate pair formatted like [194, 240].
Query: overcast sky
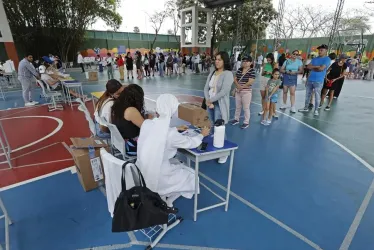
[134, 13]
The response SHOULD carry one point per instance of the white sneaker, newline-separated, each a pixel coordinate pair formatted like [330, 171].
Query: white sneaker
[316, 113]
[34, 102]
[261, 112]
[283, 106]
[222, 160]
[293, 110]
[29, 104]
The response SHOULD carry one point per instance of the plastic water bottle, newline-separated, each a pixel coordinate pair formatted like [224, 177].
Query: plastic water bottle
[219, 133]
[91, 152]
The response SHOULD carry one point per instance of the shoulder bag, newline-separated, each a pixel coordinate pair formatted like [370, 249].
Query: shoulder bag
[138, 207]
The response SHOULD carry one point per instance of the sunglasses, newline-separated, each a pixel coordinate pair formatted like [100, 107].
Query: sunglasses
[295, 54]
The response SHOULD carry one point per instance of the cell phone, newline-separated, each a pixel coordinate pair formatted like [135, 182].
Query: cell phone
[202, 146]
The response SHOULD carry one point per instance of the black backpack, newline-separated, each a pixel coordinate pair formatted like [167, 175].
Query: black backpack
[138, 207]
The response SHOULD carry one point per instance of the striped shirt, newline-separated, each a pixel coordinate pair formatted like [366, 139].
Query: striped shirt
[243, 79]
[26, 69]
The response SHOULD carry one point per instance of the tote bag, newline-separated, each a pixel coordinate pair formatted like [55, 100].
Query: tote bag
[138, 207]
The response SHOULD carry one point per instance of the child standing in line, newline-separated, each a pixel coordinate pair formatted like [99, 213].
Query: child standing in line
[271, 93]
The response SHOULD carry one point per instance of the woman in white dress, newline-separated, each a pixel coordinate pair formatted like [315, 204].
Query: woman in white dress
[157, 147]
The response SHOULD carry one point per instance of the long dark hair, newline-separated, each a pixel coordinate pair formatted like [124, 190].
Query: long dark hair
[226, 60]
[112, 86]
[271, 57]
[132, 96]
[274, 70]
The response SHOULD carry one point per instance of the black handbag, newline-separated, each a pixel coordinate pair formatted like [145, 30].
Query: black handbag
[203, 105]
[138, 207]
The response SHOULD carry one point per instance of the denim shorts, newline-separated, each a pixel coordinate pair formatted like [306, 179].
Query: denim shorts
[273, 98]
[289, 80]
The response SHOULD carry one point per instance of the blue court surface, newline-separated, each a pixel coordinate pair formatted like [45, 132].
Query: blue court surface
[293, 188]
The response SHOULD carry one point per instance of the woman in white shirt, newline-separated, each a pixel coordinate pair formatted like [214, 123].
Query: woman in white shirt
[157, 146]
[104, 105]
[109, 66]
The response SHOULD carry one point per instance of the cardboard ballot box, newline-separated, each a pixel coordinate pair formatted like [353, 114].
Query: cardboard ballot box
[194, 114]
[92, 76]
[89, 170]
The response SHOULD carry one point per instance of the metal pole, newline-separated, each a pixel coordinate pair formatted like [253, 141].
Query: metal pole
[6, 146]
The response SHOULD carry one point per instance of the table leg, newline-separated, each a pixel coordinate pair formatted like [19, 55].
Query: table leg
[69, 97]
[229, 180]
[81, 88]
[196, 188]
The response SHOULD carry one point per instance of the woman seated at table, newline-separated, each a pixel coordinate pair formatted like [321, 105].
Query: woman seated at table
[128, 115]
[56, 85]
[157, 146]
[103, 109]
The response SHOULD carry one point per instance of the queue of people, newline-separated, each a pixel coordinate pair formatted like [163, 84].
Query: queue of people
[148, 64]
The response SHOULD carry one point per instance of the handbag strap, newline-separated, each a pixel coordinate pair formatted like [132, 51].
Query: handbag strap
[123, 179]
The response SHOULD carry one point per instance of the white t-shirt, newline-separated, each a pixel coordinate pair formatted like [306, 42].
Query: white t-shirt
[259, 59]
[105, 112]
[212, 87]
[197, 59]
[109, 60]
[80, 59]
[46, 78]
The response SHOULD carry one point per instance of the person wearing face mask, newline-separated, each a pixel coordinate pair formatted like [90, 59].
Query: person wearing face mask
[157, 146]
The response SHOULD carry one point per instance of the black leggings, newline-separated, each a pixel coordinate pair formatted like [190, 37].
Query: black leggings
[306, 72]
[146, 68]
[82, 66]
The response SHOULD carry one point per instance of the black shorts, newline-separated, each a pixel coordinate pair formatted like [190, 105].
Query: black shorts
[333, 86]
[129, 67]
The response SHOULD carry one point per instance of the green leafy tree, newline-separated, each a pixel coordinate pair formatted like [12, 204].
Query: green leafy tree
[57, 26]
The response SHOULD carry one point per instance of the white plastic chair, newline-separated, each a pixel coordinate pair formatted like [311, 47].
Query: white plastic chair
[118, 142]
[8, 222]
[91, 123]
[51, 95]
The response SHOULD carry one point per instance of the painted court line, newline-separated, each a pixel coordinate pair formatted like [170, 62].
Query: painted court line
[279, 223]
[59, 126]
[363, 162]
[35, 179]
[357, 220]
[263, 213]
[159, 245]
[36, 164]
[36, 150]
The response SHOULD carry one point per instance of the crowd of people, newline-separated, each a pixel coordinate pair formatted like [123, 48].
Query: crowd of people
[148, 64]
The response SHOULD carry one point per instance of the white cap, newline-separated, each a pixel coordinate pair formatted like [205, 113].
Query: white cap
[42, 69]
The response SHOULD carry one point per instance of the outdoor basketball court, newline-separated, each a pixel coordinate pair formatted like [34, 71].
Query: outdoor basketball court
[301, 183]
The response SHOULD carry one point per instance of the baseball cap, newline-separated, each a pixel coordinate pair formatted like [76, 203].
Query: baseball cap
[323, 46]
[47, 60]
[343, 56]
[247, 58]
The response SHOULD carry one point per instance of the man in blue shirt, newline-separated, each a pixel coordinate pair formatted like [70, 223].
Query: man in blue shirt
[318, 67]
[26, 72]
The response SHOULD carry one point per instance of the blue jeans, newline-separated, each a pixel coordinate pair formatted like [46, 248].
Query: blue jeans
[161, 68]
[101, 134]
[317, 87]
[214, 114]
